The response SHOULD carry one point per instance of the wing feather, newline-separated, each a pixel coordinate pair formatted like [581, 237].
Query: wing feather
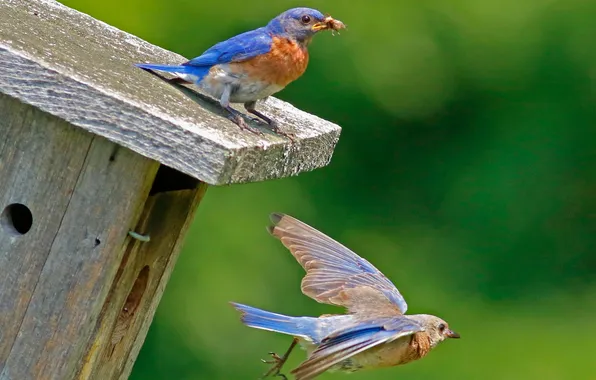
[353, 340]
[236, 49]
[334, 274]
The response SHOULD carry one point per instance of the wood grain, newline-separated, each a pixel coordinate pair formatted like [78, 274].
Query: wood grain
[43, 182]
[77, 294]
[81, 70]
[140, 284]
[78, 264]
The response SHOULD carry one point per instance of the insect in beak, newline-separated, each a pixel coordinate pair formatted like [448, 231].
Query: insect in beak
[329, 23]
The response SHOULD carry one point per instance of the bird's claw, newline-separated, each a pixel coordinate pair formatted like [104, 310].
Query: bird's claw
[274, 371]
[274, 127]
[278, 131]
[278, 362]
[276, 359]
[239, 121]
[252, 129]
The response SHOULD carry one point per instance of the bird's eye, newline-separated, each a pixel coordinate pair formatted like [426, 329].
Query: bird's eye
[305, 19]
[442, 327]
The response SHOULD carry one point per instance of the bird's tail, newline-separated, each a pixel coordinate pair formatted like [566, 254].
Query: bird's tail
[266, 320]
[167, 68]
[186, 72]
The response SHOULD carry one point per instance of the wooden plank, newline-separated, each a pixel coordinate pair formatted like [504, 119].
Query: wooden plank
[81, 70]
[36, 172]
[83, 259]
[140, 284]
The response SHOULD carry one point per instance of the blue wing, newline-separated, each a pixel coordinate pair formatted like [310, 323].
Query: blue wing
[335, 274]
[351, 341]
[238, 48]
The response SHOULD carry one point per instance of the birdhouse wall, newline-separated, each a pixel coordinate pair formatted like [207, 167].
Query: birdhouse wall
[77, 293]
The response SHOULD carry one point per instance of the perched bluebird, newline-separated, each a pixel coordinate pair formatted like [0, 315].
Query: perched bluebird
[375, 333]
[256, 64]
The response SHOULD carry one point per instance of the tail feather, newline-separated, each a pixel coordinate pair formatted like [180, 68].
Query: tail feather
[186, 72]
[167, 68]
[266, 320]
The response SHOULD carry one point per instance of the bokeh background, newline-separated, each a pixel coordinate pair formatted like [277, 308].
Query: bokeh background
[466, 172]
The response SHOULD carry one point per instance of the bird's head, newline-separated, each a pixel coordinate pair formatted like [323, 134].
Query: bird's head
[437, 329]
[302, 24]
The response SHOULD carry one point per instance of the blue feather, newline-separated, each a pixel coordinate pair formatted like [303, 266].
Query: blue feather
[393, 324]
[167, 68]
[266, 320]
[199, 72]
[345, 343]
[238, 48]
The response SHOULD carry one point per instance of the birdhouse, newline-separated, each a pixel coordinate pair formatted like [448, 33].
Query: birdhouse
[102, 167]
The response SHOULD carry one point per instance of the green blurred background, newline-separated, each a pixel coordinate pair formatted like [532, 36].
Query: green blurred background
[466, 172]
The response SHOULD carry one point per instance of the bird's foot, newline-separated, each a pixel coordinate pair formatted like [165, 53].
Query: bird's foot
[275, 128]
[250, 107]
[239, 121]
[277, 364]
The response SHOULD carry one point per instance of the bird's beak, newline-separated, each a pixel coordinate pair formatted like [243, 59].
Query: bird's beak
[328, 23]
[451, 334]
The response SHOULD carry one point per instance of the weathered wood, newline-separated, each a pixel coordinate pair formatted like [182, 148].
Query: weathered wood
[78, 266]
[42, 183]
[140, 283]
[77, 294]
[81, 70]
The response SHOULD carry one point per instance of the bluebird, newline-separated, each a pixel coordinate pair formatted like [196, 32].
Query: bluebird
[375, 332]
[256, 64]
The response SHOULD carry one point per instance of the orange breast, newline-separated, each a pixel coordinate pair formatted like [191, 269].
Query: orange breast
[419, 347]
[285, 63]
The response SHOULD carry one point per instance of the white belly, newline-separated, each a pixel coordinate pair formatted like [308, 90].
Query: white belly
[243, 89]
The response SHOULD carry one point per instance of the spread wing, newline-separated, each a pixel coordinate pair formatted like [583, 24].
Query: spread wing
[334, 274]
[346, 343]
[238, 48]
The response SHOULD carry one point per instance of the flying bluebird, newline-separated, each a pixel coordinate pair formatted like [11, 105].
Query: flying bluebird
[256, 64]
[375, 333]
